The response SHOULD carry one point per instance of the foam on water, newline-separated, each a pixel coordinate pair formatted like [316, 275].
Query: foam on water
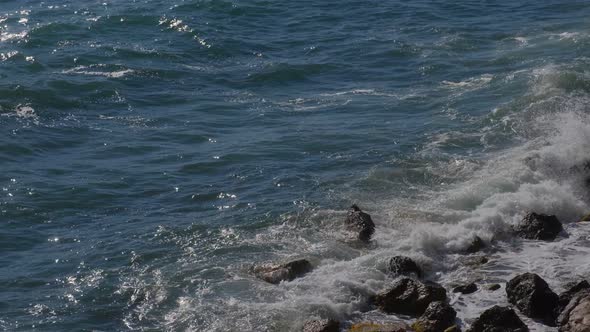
[484, 196]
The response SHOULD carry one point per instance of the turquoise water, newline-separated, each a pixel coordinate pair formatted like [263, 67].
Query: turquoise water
[152, 151]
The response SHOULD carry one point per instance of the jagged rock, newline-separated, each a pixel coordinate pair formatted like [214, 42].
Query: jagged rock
[498, 319]
[275, 273]
[565, 297]
[539, 227]
[324, 325]
[437, 317]
[360, 222]
[466, 289]
[493, 287]
[404, 265]
[576, 315]
[410, 297]
[533, 297]
[376, 327]
[476, 245]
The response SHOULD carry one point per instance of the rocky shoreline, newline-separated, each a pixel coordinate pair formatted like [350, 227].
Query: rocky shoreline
[413, 294]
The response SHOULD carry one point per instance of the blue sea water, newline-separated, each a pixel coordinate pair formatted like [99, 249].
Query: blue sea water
[153, 151]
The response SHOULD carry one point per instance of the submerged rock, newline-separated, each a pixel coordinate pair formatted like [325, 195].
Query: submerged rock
[539, 227]
[576, 315]
[404, 265]
[376, 327]
[566, 297]
[409, 296]
[437, 317]
[360, 222]
[476, 245]
[585, 218]
[493, 287]
[275, 273]
[498, 319]
[466, 289]
[324, 325]
[533, 297]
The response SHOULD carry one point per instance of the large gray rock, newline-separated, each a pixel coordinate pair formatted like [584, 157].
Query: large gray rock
[409, 296]
[360, 223]
[498, 319]
[324, 325]
[437, 317]
[539, 227]
[533, 297]
[275, 273]
[403, 265]
[576, 315]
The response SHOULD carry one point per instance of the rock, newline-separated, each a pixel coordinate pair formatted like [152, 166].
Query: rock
[585, 218]
[466, 289]
[453, 328]
[375, 327]
[324, 325]
[498, 319]
[533, 297]
[493, 287]
[565, 297]
[274, 273]
[404, 265]
[475, 260]
[360, 222]
[476, 245]
[576, 315]
[410, 297]
[437, 317]
[539, 227]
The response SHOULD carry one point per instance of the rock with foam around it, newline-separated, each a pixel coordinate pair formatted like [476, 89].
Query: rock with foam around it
[438, 317]
[539, 227]
[466, 289]
[409, 296]
[498, 319]
[476, 245]
[275, 273]
[402, 265]
[360, 223]
[533, 297]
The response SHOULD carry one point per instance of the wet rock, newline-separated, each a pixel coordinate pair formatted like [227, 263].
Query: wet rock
[576, 315]
[360, 222]
[324, 325]
[476, 245]
[376, 327]
[533, 297]
[453, 328]
[404, 265]
[585, 218]
[498, 319]
[275, 273]
[539, 227]
[565, 297]
[466, 289]
[409, 296]
[493, 287]
[475, 261]
[437, 317]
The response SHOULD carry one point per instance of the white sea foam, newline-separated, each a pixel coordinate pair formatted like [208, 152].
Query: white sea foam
[91, 70]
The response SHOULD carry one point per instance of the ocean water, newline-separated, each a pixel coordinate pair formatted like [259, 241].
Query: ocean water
[153, 151]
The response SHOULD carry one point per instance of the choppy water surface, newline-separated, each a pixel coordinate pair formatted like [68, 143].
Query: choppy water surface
[152, 151]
